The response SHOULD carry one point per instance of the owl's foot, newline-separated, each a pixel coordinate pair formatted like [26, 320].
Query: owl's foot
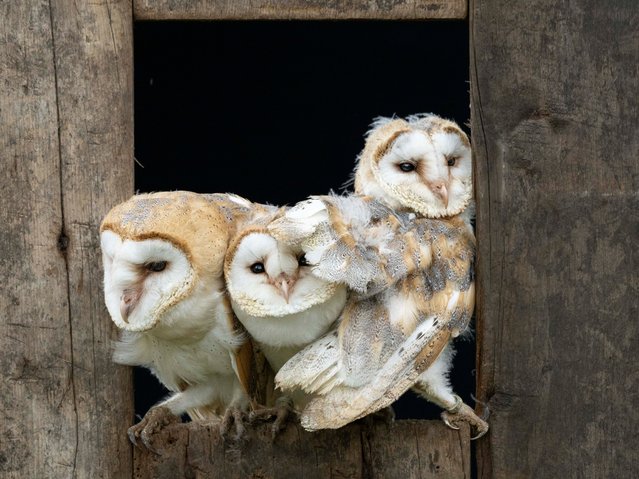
[461, 413]
[282, 411]
[234, 415]
[153, 421]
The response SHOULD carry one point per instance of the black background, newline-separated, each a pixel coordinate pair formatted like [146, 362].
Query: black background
[276, 111]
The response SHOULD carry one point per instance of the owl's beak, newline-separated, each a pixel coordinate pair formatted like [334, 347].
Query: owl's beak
[128, 301]
[285, 285]
[440, 190]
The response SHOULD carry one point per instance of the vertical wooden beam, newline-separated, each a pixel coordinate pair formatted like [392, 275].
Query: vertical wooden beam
[66, 142]
[555, 122]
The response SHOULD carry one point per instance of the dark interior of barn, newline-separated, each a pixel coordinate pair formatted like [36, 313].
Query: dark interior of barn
[276, 111]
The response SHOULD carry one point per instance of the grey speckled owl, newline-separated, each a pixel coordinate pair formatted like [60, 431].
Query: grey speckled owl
[406, 250]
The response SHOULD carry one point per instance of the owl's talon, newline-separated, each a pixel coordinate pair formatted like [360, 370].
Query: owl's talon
[233, 416]
[281, 412]
[146, 440]
[133, 437]
[448, 423]
[480, 434]
[153, 421]
[461, 412]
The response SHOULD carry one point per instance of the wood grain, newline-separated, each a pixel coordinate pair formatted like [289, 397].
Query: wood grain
[298, 9]
[555, 122]
[66, 140]
[410, 449]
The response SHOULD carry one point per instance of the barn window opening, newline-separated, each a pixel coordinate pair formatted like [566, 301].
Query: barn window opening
[276, 111]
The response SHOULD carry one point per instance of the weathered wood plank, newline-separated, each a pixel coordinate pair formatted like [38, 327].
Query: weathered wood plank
[66, 142]
[298, 9]
[411, 449]
[555, 121]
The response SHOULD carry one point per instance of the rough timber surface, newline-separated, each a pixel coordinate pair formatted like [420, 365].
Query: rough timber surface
[299, 9]
[555, 123]
[66, 147]
[406, 449]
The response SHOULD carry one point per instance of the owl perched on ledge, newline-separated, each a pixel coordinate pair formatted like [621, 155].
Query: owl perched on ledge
[163, 256]
[280, 303]
[406, 251]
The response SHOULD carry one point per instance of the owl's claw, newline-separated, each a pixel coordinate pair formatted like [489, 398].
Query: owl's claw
[281, 411]
[459, 413]
[233, 415]
[448, 423]
[153, 421]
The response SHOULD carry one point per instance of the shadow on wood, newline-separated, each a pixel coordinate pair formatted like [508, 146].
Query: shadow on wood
[404, 449]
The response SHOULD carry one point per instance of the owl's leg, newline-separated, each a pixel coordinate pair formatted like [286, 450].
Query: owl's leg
[281, 412]
[235, 415]
[153, 421]
[168, 412]
[434, 386]
[460, 413]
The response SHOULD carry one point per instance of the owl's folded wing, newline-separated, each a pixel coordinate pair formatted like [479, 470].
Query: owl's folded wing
[415, 354]
[314, 369]
[344, 404]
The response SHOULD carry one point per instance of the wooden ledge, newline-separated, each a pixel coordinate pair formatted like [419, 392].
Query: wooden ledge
[299, 10]
[404, 449]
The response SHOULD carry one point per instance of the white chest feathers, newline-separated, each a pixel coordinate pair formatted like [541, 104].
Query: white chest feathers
[297, 329]
[176, 364]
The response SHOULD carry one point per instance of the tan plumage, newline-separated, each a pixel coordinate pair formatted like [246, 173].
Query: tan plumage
[163, 256]
[406, 251]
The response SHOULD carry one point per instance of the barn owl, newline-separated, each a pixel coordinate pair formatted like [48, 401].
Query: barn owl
[406, 251]
[280, 303]
[163, 256]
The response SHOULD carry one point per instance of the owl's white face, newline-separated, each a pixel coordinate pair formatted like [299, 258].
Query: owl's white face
[268, 278]
[430, 173]
[144, 281]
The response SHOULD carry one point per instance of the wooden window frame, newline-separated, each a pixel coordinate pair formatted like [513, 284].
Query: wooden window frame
[541, 89]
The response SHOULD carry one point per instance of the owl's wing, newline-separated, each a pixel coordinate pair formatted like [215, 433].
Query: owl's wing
[334, 231]
[314, 369]
[379, 360]
[392, 378]
[344, 404]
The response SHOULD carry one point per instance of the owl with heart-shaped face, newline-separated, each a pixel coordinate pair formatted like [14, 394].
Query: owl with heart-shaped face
[406, 250]
[163, 256]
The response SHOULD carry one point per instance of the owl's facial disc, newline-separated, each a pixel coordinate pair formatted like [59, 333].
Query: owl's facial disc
[143, 280]
[426, 172]
[268, 278]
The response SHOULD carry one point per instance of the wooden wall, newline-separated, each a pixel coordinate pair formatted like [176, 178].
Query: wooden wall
[555, 123]
[555, 126]
[66, 143]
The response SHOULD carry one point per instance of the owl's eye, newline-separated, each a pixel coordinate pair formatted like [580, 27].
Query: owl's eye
[407, 167]
[302, 261]
[451, 161]
[155, 266]
[257, 268]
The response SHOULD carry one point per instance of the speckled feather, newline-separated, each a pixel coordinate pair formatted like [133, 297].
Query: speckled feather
[419, 261]
[411, 277]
